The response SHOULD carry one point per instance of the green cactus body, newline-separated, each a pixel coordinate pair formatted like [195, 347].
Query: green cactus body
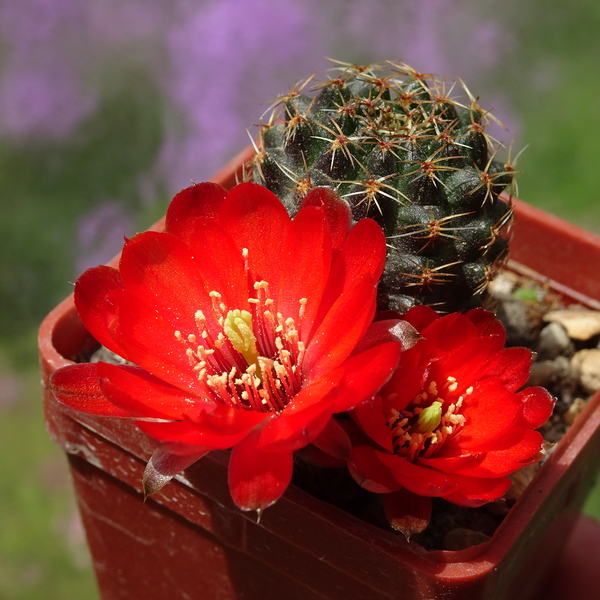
[399, 150]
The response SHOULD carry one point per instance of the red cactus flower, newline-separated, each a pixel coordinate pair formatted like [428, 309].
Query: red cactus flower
[243, 328]
[450, 422]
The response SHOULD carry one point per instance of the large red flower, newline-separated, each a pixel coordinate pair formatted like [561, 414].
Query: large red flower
[243, 327]
[451, 422]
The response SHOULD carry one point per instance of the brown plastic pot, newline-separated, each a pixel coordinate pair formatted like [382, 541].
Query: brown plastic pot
[189, 542]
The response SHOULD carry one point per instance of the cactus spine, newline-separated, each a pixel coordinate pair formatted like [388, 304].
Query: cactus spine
[400, 150]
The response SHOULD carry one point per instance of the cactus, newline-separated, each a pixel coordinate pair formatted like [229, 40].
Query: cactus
[398, 149]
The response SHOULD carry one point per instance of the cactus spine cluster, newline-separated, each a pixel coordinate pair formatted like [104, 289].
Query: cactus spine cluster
[399, 150]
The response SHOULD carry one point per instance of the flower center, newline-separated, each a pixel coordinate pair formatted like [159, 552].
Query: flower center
[250, 359]
[432, 417]
[238, 328]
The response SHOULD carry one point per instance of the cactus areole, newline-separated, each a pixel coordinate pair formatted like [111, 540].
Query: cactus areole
[399, 150]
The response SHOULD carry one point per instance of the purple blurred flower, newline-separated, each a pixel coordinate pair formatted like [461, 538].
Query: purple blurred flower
[114, 23]
[218, 60]
[42, 101]
[228, 56]
[41, 91]
[27, 23]
[447, 37]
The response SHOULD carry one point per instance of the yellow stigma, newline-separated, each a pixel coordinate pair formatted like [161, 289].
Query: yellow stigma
[429, 418]
[238, 328]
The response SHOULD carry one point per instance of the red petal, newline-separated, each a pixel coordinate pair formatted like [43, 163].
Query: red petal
[467, 363]
[370, 418]
[443, 339]
[303, 419]
[453, 464]
[341, 329]
[228, 420]
[488, 326]
[516, 449]
[406, 382]
[337, 211]
[148, 340]
[258, 478]
[474, 492]
[538, 405]
[449, 333]
[258, 221]
[176, 435]
[417, 479]
[198, 201]
[158, 268]
[334, 441]
[141, 394]
[421, 317]
[306, 268]
[365, 374]
[370, 472]
[512, 367]
[77, 387]
[489, 412]
[363, 252]
[93, 302]
[218, 261]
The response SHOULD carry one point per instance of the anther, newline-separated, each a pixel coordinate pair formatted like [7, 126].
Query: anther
[245, 258]
[302, 310]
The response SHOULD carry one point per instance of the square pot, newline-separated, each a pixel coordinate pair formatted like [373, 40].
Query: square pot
[189, 542]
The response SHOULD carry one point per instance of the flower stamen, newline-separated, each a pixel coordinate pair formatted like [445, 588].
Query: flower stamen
[255, 360]
[423, 426]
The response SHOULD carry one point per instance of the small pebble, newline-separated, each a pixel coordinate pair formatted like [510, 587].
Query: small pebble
[501, 286]
[574, 411]
[547, 372]
[586, 366]
[542, 373]
[581, 324]
[514, 314]
[105, 355]
[553, 342]
[520, 480]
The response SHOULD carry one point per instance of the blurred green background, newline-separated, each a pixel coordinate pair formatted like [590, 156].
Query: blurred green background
[108, 108]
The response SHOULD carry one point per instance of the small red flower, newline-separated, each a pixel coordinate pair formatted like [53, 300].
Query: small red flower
[450, 421]
[243, 326]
